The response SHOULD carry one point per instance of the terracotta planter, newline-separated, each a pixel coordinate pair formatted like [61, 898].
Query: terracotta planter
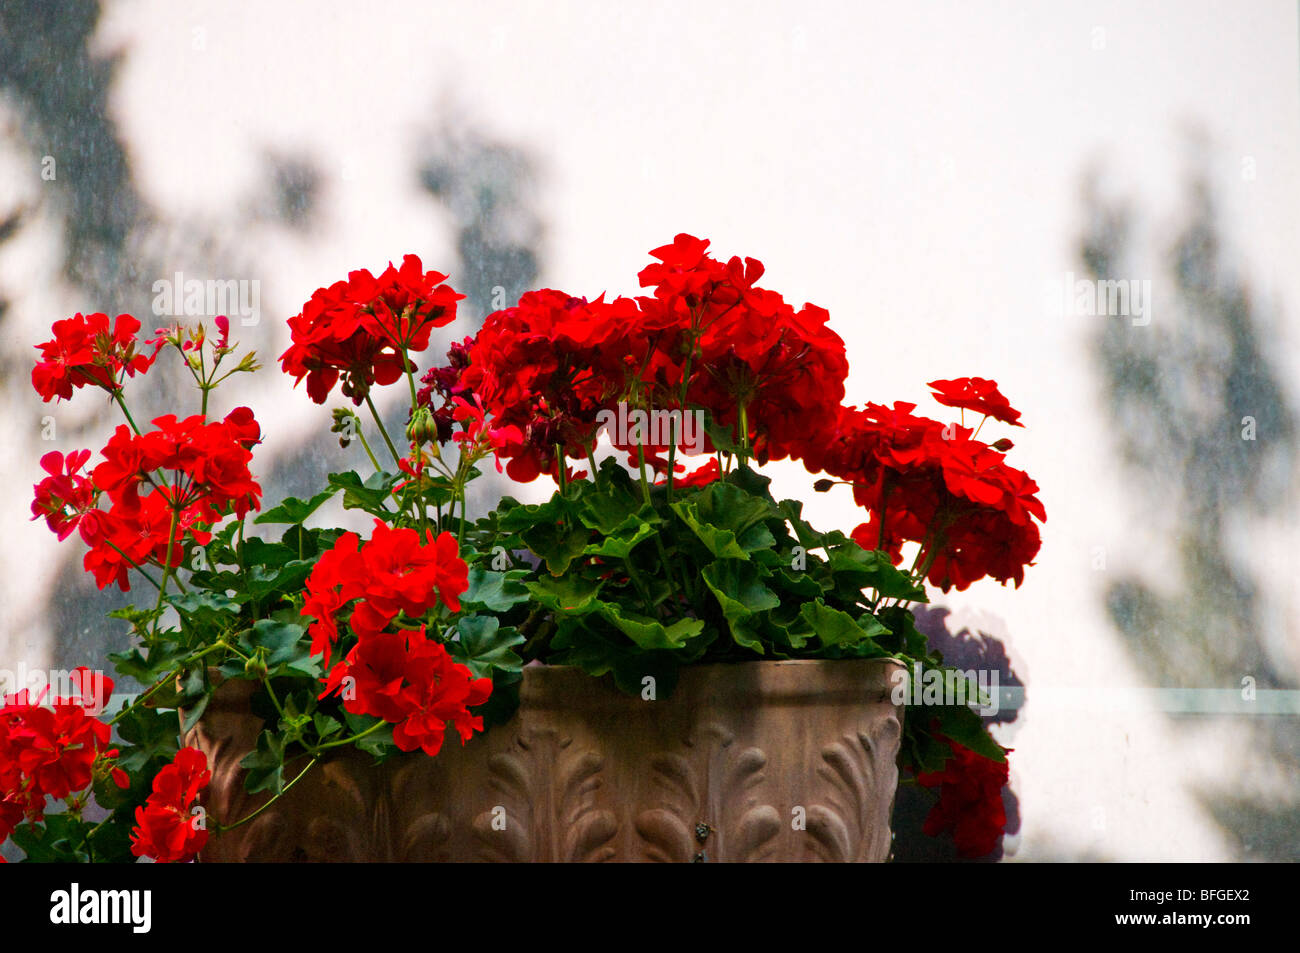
[760, 761]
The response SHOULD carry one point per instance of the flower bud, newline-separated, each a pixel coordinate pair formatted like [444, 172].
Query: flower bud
[344, 425]
[422, 429]
[821, 486]
[255, 667]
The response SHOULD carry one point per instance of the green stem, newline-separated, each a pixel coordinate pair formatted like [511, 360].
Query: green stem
[382, 430]
[167, 679]
[681, 402]
[203, 383]
[560, 467]
[744, 435]
[350, 739]
[410, 380]
[645, 487]
[366, 444]
[167, 570]
[287, 787]
[117, 396]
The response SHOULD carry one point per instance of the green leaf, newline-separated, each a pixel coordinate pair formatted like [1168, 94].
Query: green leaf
[325, 725]
[836, 628]
[194, 712]
[808, 537]
[484, 646]
[371, 494]
[963, 726]
[294, 510]
[862, 568]
[611, 509]
[259, 553]
[569, 595]
[59, 840]
[376, 745]
[286, 580]
[265, 764]
[495, 591]
[740, 594]
[620, 544]
[720, 542]
[649, 634]
[151, 737]
[213, 609]
[160, 659]
[723, 438]
[139, 618]
[728, 520]
[629, 666]
[556, 543]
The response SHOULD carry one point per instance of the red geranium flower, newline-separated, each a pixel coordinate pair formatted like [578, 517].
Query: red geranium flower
[85, 350]
[926, 483]
[413, 683]
[747, 347]
[166, 827]
[394, 571]
[970, 801]
[65, 495]
[545, 369]
[978, 394]
[50, 751]
[357, 329]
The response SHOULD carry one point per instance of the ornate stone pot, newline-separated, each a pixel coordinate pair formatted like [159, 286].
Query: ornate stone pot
[754, 761]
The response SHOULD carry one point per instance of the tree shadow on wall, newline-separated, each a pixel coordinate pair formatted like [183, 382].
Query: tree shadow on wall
[1203, 427]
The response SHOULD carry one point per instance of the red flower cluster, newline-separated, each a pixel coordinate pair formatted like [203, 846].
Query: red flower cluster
[970, 801]
[208, 463]
[402, 677]
[357, 329]
[51, 751]
[392, 572]
[85, 350]
[206, 476]
[413, 683]
[749, 349]
[550, 365]
[935, 485]
[545, 369]
[166, 827]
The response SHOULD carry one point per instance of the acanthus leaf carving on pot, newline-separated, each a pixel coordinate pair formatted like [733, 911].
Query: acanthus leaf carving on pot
[585, 773]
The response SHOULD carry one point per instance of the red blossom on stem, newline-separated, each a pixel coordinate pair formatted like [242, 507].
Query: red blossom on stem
[977, 394]
[394, 571]
[166, 827]
[85, 350]
[412, 682]
[51, 750]
[357, 329]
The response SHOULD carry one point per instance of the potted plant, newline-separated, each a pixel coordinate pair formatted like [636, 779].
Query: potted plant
[655, 663]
